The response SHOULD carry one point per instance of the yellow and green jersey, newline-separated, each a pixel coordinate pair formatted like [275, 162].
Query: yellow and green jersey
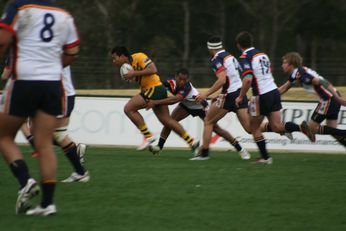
[140, 61]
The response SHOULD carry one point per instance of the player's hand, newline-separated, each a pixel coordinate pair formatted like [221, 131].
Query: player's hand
[199, 98]
[238, 100]
[214, 99]
[129, 76]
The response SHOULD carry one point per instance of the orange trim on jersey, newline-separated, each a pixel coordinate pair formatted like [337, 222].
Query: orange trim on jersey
[258, 54]
[7, 27]
[71, 45]
[42, 7]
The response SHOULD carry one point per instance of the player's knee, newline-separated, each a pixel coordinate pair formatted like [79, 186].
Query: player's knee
[60, 134]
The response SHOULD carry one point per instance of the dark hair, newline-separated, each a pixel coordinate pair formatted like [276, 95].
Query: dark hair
[214, 39]
[244, 39]
[120, 50]
[183, 71]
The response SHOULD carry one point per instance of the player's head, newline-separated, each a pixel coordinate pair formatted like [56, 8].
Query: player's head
[244, 40]
[120, 55]
[290, 61]
[182, 77]
[214, 44]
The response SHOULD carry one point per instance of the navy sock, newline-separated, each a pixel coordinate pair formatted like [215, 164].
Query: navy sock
[341, 139]
[205, 152]
[30, 139]
[261, 143]
[292, 127]
[70, 151]
[20, 171]
[236, 144]
[331, 131]
[162, 142]
[47, 193]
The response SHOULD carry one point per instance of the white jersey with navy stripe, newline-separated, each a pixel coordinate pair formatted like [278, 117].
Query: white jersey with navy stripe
[224, 61]
[41, 31]
[188, 92]
[257, 63]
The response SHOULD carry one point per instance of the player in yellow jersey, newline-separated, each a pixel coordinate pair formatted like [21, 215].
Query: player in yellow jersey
[145, 73]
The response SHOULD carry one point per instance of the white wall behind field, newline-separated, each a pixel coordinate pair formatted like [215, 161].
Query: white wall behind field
[101, 121]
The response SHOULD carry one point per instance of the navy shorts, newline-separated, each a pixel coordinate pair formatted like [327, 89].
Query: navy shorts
[24, 98]
[227, 101]
[68, 108]
[265, 104]
[326, 109]
[194, 112]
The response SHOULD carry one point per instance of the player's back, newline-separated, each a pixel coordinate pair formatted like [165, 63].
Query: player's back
[139, 62]
[257, 62]
[41, 29]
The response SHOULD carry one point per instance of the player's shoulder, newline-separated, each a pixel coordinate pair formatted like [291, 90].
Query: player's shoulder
[139, 55]
[40, 4]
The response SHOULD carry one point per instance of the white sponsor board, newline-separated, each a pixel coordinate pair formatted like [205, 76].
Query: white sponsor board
[101, 121]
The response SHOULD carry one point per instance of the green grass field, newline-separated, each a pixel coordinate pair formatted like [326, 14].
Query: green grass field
[132, 190]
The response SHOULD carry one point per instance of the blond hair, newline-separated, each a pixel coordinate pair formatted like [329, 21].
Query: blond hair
[293, 58]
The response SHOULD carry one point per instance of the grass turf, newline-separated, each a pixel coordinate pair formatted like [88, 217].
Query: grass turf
[132, 190]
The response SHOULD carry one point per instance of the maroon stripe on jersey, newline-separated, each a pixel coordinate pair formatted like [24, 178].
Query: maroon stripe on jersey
[71, 45]
[7, 27]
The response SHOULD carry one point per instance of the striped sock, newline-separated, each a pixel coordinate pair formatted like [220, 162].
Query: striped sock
[236, 144]
[261, 144]
[187, 138]
[145, 131]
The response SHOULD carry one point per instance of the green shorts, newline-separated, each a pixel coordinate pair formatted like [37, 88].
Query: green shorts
[157, 92]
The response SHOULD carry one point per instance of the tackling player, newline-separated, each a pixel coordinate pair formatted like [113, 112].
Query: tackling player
[184, 92]
[329, 99]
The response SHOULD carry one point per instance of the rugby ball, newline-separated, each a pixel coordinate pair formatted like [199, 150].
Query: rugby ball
[124, 69]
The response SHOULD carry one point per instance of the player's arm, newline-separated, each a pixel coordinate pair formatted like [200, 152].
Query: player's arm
[69, 55]
[6, 73]
[167, 101]
[247, 79]
[221, 80]
[285, 87]
[5, 40]
[148, 70]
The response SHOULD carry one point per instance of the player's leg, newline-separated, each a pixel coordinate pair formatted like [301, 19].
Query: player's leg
[25, 128]
[214, 114]
[162, 113]
[70, 150]
[332, 123]
[178, 114]
[131, 109]
[9, 125]
[244, 119]
[244, 154]
[260, 141]
[43, 127]
[329, 112]
[15, 107]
